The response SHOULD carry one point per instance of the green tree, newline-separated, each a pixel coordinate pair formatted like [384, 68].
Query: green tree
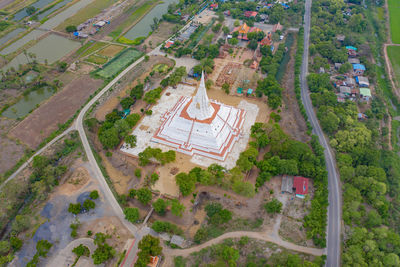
[160, 206]
[144, 195]
[131, 140]
[127, 102]
[273, 206]
[233, 41]
[30, 10]
[16, 243]
[103, 253]
[186, 183]
[225, 30]
[177, 208]
[94, 194]
[137, 91]
[131, 214]
[21, 223]
[70, 28]
[88, 204]
[138, 172]
[109, 138]
[151, 245]
[75, 208]
[81, 250]
[4, 247]
[42, 247]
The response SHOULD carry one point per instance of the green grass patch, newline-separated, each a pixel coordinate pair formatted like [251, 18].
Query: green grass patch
[96, 59]
[394, 56]
[381, 13]
[91, 48]
[133, 18]
[394, 13]
[118, 63]
[124, 40]
[4, 25]
[160, 68]
[85, 13]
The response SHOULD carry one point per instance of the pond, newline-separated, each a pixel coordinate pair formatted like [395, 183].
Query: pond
[51, 10]
[10, 35]
[35, 34]
[68, 12]
[28, 103]
[143, 27]
[51, 48]
[38, 5]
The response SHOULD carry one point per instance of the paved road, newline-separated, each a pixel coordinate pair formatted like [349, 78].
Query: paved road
[334, 209]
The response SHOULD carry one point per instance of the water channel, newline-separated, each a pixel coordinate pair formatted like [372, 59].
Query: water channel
[38, 5]
[28, 103]
[143, 27]
[10, 35]
[51, 10]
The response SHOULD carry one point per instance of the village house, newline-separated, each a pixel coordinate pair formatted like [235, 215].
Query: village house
[350, 82]
[277, 27]
[362, 81]
[267, 39]
[345, 90]
[214, 6]
[300, 184]
[352, 60]
[340, 37]
[365, 94]
[358, 69]
[250, 14]
[351, 51]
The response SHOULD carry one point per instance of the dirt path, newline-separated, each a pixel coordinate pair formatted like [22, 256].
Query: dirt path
[268, 235]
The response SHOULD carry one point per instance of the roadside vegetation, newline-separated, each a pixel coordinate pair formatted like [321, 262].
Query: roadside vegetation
[368, 168]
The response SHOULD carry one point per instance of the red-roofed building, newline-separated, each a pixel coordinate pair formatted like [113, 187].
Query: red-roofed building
[301, 186]
[169, 44]
[250, 14]
[277, 27]
[214, 6]
[154, 261]
[267, 39]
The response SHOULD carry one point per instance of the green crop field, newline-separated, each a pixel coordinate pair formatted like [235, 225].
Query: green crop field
[394, 13]
[118, 63]
[96, 59]
[394, 55]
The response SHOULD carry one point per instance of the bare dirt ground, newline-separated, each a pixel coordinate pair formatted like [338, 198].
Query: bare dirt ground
[11, 151]
[57, 110]
[292, 122]
[165, 29]
[111, 50]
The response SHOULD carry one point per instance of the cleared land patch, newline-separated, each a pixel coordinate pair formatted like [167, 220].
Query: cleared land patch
[394, 55]
[118, 63]
[96, 59]
[45, 119]
[111, 50]
[394, 13]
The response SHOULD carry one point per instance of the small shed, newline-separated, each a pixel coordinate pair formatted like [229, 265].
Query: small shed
[362, 81]
[249, 91]
[345, 90]
[365, 93]
[349, 47]
[239, 90]
[177, 240]
[340, 37]
[287, 184]
[353, 60]
[358, 69]
[301, 186]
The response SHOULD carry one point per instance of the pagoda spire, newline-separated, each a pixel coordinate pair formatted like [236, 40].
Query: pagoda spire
[200, 108]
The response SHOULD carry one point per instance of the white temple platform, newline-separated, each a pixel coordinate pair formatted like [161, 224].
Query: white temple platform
[220, 128]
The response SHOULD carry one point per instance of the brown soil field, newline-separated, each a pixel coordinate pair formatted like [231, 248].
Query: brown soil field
[292, 122]
[111, 50]
[10, 151]
[165, 29]
[57, 110]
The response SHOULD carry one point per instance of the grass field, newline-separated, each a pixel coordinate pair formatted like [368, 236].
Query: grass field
[133, 18]
[118, 63]
[111, 50]
[394, 55]
[381, 13]
[85, 13]
[394, 13]
[160, 68]
[91, 49]
[96, 59]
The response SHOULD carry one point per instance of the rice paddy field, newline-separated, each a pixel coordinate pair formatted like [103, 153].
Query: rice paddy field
[118, 63]
[394, 55]
[96, 59]
[394, 13]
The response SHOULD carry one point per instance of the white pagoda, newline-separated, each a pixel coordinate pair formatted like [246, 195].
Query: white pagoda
[197, 125]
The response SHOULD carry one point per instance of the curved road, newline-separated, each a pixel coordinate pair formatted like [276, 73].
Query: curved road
[334, 209]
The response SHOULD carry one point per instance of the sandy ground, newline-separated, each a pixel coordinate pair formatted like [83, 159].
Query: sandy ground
[149, 124]
[205, 16]
[57, 110]
[165, 29]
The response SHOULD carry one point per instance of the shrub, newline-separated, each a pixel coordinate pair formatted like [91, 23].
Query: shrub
[70, 28]
[160, 206]
[177, 208]
[138, 172]
[88, 204]
[274, 206]
[144, 195]
[166, 227]
[75, 208]
[94, 194]
[131, 214]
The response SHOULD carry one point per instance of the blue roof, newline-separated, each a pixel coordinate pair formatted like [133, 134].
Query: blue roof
[351, 47]
[358, 67]
[249, 91]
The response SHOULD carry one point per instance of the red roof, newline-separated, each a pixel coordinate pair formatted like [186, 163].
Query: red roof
[214, 5]
[169, 44]
[301, 185]
[249, 14]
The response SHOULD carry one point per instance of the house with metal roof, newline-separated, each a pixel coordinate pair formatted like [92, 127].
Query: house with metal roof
[365, 94]
[301, 186]
[362, 81]
[358, 69]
